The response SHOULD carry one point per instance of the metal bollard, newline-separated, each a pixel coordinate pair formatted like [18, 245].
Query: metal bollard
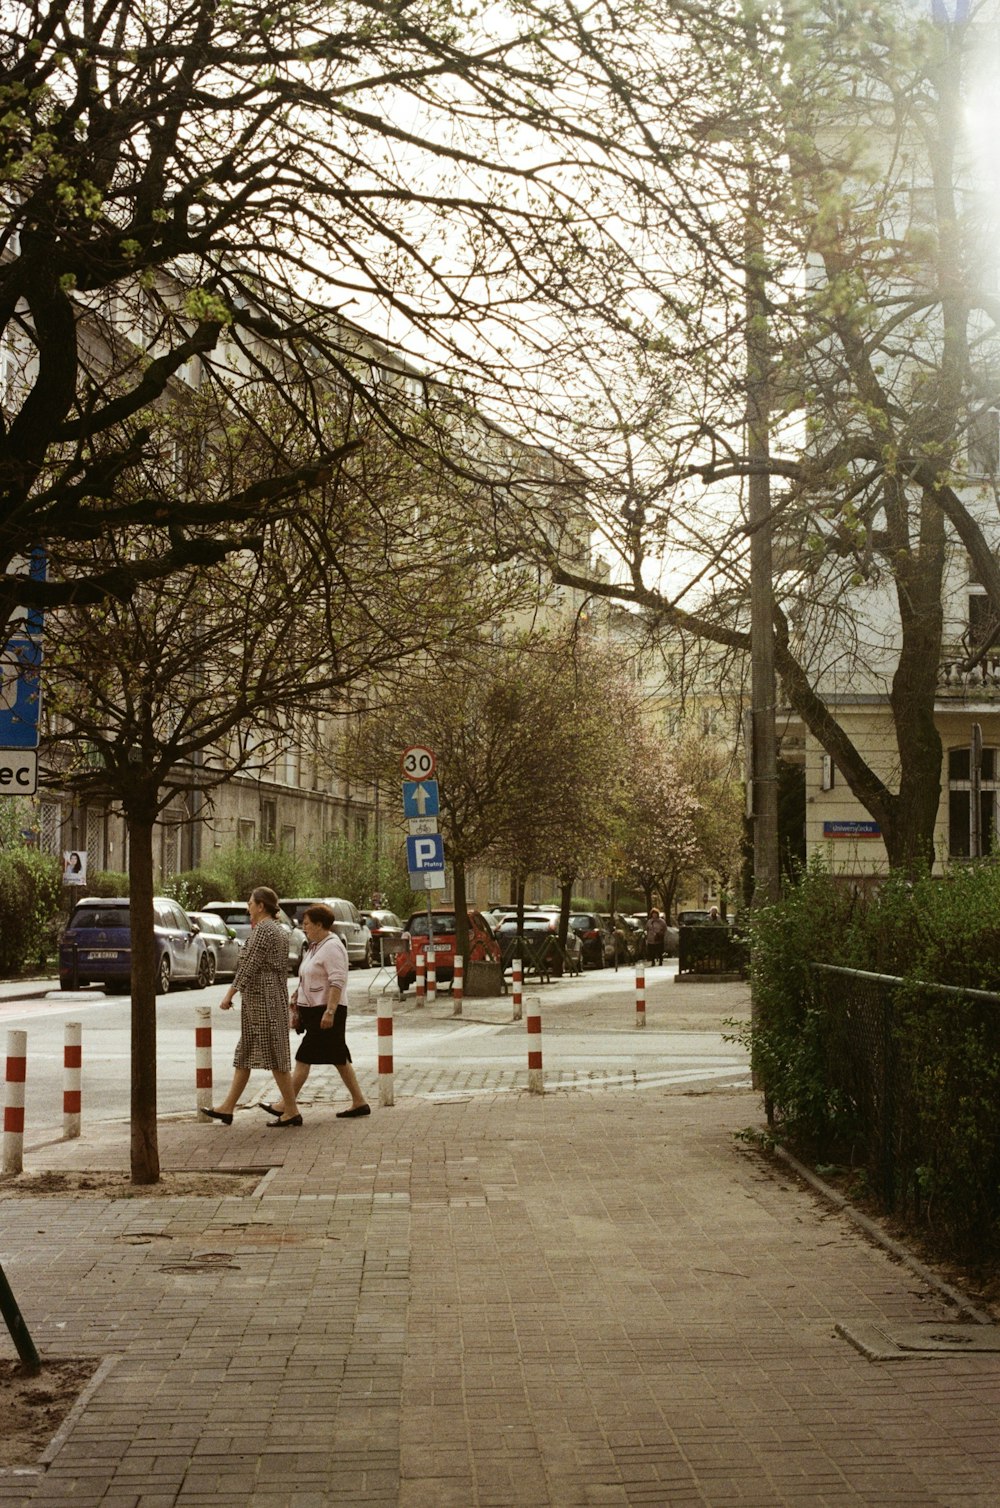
[72, 1079]
[534, 1021]
[458, 984]
[431, 978]
[516, 980]
[203, 1058]
[13, 1105]
[640, 994]
[420, 978]
[384, 1024]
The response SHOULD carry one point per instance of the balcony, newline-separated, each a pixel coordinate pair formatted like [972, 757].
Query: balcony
[980, 681]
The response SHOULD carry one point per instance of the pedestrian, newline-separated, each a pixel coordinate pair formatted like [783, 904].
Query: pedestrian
[656, 936]
[319, 1010]
[262, 979]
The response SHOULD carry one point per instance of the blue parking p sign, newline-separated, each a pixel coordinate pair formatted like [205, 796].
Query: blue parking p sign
[425, 854]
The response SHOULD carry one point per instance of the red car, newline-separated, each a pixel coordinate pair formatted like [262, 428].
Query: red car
[482, 944]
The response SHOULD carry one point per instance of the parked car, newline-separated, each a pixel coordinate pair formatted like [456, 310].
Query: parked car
[222, 943]
[540, 927]
[96, 946]
[235, 915]
[348, 925]
[595, 936]
[692, 918]
[636, 933]
[386, 930]
[482, 944]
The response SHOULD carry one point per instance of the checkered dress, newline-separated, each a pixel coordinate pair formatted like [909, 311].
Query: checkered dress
[262, 980]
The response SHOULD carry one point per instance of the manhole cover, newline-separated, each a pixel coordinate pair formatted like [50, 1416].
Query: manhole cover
[899, 1342]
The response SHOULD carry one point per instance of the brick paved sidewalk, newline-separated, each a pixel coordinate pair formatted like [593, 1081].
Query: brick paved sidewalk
[581, 1298]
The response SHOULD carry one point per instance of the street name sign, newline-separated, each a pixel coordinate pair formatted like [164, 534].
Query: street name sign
[18, 772]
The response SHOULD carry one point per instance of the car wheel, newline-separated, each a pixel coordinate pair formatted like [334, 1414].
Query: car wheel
[206, 971]
[163, 975]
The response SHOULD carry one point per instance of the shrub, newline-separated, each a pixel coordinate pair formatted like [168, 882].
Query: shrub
[238, 869]
[29, 906]
[902, 1077]
[194, 888]
[105, 882]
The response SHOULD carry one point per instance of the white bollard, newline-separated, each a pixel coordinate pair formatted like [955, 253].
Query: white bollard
[72, 1079]
[516, 980]
[640, 994]
[536, 1083]
[13, 1105]
[458, 984]
[204, 1098]
[431, 977]
[420, 978]
[384, 1023]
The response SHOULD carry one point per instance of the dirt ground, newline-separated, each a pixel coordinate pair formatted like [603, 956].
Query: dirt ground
[34, 1407]
[117, 1185]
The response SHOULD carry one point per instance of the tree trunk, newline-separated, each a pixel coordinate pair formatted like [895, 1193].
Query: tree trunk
[145, 1157]
[565, 906]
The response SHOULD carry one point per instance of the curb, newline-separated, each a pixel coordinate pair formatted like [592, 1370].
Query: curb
[883, 1239]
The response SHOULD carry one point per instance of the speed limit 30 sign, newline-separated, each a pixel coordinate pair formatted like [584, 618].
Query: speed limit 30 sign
[418, 763]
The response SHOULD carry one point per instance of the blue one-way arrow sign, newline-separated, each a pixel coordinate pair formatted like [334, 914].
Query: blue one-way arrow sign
[425, 855]
[420, 798]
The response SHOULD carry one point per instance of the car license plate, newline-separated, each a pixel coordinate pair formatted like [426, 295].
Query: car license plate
[93, 956]
[437, 948]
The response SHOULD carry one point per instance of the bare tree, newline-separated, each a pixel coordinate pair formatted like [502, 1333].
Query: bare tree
[210, 672]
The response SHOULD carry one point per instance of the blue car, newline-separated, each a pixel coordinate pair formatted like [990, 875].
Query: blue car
[96, 947]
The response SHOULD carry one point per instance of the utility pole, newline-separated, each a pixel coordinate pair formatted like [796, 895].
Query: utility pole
[764, 771]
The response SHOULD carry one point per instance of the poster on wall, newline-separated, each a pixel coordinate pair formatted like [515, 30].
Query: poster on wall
[74, 866]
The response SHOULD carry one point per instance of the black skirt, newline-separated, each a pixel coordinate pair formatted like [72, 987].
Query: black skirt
[323, 1044]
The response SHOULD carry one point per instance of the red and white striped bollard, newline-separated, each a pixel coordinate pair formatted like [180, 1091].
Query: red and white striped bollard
[72, 1079]
[384, 1025]
[431, 978]
[640, 994]
[13, 1104]
[203, 1058]
[458, 984]
[534, 1021]
[420, 978]
[516, 980]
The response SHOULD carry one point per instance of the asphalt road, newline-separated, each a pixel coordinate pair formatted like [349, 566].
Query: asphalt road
[589, 1039]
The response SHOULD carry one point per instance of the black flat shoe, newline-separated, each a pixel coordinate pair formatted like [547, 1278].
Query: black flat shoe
[295, 1120]
[348, 1115]
[270, 1109]
[219, 1115]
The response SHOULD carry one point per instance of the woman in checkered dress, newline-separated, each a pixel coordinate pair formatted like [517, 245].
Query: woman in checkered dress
[262, 980]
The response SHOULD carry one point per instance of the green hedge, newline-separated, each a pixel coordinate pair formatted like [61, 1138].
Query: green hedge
[902, 1082]
[29, 907]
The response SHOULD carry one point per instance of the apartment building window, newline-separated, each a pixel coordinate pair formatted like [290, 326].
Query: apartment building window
[96, 834]
[268, 823]
[983, 442]
[170, 843]
[984, 632]
[960, 802]
[50, 827]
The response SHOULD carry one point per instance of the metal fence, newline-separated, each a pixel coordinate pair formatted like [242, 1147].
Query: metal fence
[706, 949]
[912, 1081]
